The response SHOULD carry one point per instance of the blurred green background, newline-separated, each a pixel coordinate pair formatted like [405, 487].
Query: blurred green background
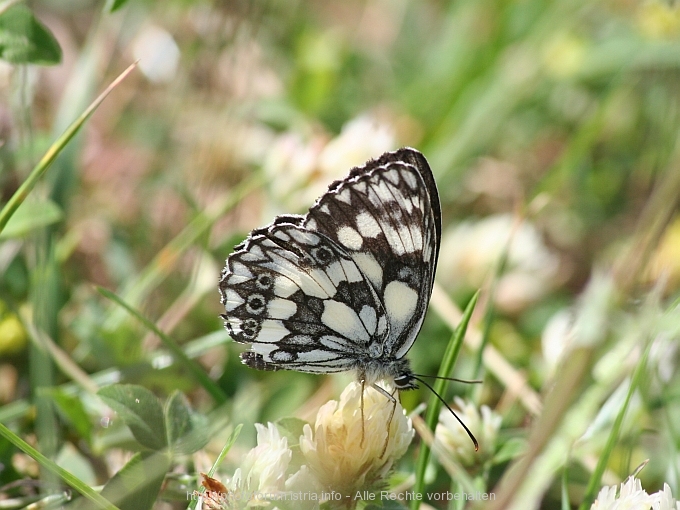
[552, 128]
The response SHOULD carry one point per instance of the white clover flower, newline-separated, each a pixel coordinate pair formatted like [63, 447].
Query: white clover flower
[484, 427]
[158, 54]
[300, 170]
[665, 500]
[334, 450]
[263, 471]
[307, 487]
[631, 496]
[361, 139]
[474, 249]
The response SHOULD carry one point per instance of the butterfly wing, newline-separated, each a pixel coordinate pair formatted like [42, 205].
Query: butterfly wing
[387, 215]
[300, 300]
[346, 283]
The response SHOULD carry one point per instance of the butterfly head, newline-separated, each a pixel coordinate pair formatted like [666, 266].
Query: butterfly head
[397, 370]
[405, 381]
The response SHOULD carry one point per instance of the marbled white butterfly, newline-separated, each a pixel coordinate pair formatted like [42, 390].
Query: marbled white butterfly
[346, 286]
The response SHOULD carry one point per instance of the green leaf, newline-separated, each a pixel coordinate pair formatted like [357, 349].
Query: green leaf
[71, 409]
[24, 40]
[512, 449]
[19, 196]
[137, 485]
[187, 431]
[117, 4]
[140, 410]
[291, 428]
[30, 216]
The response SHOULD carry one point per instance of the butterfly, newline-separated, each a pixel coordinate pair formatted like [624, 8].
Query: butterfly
[345, 286]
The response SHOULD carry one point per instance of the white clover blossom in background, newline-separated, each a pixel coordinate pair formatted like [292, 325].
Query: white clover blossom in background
[473, 250]
[334, 450]
[482, 422]
[631, 496]
[299, 169]
[362, 138]
[157, 52]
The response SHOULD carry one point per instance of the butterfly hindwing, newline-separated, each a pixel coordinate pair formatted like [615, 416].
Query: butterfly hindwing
[300, 300]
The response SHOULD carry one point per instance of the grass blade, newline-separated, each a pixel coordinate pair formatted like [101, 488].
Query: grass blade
[230, 442]
[450, 356]
[596, 477]
[39, 170]
[49, 465]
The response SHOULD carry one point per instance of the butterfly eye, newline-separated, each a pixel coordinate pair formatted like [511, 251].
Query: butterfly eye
[402, 381]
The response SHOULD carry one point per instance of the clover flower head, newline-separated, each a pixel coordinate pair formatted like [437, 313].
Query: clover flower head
[631, 495]
[263, 471]
[482, 422]
[334, 449]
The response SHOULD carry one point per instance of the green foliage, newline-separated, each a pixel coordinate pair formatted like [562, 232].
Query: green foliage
[141, 411]
[31, 216]
[24, 40]
[137, 484]
[551, 127]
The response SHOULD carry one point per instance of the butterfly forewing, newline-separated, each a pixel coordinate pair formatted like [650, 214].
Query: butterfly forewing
[346, 283]
[386, 214]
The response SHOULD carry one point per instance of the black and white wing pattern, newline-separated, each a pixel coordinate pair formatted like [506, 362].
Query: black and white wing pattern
[345, 286]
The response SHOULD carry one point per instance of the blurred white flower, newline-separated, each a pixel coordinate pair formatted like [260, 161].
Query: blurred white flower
[631, 496]
[470, 252]
[263, 471]
[484, 427]
[334, 450]
[157, 52]
[361, 139]
[304, 483]
[290, 165]
[556, 338]
[300, 171]
[663, 355]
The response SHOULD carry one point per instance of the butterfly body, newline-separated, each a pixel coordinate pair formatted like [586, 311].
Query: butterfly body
[345, 286]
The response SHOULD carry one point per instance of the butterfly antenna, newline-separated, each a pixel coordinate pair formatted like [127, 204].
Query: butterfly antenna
[466, 381]
[474, 439]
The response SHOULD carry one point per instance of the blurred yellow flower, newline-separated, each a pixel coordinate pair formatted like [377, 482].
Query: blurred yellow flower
[334, 450]
[658, 20]
[564, 55]
[13, 336]
[665, 262]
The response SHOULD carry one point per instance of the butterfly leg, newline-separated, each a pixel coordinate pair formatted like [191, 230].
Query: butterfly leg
[389, 421]
[363, 434]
